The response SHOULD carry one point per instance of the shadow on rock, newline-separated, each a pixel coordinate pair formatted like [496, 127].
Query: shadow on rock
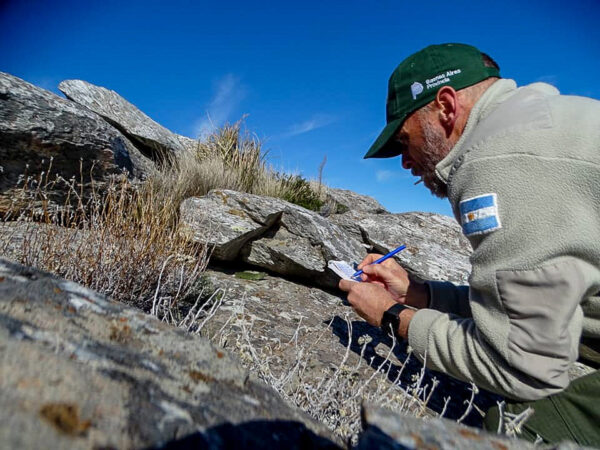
[271, 434]
[404, 369]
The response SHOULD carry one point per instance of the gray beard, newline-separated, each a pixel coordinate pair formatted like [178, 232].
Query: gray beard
[434, 150]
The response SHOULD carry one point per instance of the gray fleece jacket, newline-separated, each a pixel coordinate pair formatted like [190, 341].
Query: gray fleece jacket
[524, 183]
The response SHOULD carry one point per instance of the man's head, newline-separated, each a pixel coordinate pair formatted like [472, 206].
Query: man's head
[430, 96]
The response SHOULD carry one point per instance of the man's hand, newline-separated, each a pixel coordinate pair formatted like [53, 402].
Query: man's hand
[369, 300]
[395, 280]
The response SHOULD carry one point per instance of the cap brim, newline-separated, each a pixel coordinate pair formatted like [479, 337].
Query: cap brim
[382, 147]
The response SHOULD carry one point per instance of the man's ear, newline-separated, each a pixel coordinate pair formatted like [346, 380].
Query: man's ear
[448, 108]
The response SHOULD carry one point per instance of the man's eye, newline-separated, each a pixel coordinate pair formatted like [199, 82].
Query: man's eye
[401, 144]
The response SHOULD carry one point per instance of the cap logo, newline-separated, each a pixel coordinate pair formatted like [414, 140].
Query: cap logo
[441, 78]
[416, 88]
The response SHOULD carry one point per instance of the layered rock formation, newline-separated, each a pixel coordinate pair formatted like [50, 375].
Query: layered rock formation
[79, 371]
[289, 240]
[42, 135]
[150, 137]
[269, 233]
[435, 246]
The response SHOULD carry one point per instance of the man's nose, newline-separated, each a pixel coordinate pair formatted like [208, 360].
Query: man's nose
[406, 162]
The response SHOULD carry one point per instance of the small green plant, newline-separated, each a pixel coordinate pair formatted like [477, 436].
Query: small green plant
[341, 209]
[298, 190]
[251, 275]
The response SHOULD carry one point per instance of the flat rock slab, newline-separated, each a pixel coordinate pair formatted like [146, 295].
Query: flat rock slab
[385, 429]
[435, 246]
[352, 201]
[79, 371]
[154, 139]
[286, 254]
[269, 233]
[41, 131]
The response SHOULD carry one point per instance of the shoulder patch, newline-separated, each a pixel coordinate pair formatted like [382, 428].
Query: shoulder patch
[479, 215]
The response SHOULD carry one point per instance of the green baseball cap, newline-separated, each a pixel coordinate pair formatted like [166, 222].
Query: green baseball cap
[417, 79]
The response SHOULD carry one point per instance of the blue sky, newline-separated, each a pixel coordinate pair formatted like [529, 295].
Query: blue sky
[311, 77]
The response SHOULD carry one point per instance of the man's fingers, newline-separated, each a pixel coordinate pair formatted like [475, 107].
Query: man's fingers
[379, 271]
[371, 257]
[365, 278]
[346, 285]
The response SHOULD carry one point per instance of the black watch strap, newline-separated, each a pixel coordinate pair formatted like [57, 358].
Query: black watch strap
[390, 322]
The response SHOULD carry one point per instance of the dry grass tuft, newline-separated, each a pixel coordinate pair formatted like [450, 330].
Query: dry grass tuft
[230, 158]
[122, 242]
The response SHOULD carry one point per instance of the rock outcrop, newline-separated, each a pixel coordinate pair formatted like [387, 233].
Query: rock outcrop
[289, 240]
[386, 430]
[269, 233]
[154, 140]
[41, 133]
[83, 372]
[436, 249]
[80, 371]
[346, 200]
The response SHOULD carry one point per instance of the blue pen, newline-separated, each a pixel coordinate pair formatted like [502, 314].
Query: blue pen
[382, 259]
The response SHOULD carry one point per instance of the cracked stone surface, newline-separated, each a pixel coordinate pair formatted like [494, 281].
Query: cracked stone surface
[269, 233]
[435, 246]
[292, 241]
[80, 371]
[153, 138]
[37, 126]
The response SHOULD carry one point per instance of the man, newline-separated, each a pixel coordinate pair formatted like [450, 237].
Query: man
[521, 168]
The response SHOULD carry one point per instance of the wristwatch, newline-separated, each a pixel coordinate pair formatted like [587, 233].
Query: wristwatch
[390, 322]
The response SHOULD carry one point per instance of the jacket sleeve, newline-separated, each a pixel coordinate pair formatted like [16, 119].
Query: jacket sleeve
[542, 318]
[448, 297]
[528, 279]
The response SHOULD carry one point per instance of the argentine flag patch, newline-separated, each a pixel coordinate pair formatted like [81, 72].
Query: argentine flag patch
[479, 215]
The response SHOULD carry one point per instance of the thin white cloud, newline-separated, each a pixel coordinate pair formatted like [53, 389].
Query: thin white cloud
[316, 121]
[386, 175]
[50, 84]
[229, 92]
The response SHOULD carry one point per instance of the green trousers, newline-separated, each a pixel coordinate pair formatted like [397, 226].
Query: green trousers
[573, 414]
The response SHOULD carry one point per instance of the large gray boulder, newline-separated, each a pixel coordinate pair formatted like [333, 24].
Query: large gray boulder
[39, 130]
[346, 200]
[385, 429]
[292, 241]
[149, 136]
[269, 233]
[436, 249]
[79, 371]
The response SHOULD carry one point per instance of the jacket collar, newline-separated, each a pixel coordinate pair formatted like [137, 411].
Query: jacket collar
[495, 94]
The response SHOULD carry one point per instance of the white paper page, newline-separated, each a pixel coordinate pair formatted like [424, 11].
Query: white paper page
[342, 269]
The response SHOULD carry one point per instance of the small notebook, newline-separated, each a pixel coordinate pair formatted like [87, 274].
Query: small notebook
[342, 269]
